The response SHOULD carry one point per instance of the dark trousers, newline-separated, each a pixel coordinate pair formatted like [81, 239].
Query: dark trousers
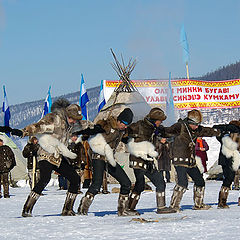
[167, 175]
[228, 176]
[154, 176]
[64, 169]
[5, 182]
[194, 173]
[99, 166]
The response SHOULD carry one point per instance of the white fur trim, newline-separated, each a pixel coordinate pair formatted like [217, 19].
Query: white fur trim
[99, 145]
[142, 149]
[54, 146]
[236, 160]
[229, 149]
[199, 164]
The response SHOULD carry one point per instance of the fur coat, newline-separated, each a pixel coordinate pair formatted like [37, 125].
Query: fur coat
[103, 145]
[53, 132]
[29, 151]
[183, 148]
[7, 159]
[141, 147]
[229, 151]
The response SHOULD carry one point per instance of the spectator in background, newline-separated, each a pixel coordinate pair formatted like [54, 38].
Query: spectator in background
[80, 161]
[164, 160]
[7, 163]
[30, 152]
[201, 149]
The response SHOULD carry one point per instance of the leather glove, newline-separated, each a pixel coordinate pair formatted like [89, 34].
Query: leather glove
[17, 132]
[5, 129]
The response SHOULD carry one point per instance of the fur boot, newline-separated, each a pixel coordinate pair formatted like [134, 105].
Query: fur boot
[236, 180]
[161, 204]
[104, 184]
[28, 206]
[68, 205]
[176, 198]
[222, 199]
[133, 201]
[123, 204]
[85, 203]
[198, 195]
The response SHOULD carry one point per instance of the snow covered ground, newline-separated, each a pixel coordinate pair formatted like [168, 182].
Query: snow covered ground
[103, 222]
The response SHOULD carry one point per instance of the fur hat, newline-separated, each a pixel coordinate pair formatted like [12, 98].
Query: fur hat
[126, 116]
[235, 122]
[156, 114]
[32, 138]
[194, 117]
[74, 112]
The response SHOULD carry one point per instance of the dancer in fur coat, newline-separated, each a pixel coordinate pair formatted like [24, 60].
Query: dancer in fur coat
[103, 146]
[229, 159]
[53, 132]
[142, 157]
[185, 133]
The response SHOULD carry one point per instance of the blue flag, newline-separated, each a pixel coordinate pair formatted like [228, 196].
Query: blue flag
[83, 99]
[101, 100]
[170, 104]
[184, 44]
[6, 109]
[47, 103]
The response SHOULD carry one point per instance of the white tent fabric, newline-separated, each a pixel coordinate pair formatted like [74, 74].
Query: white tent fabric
[120, 100]
[19, 172]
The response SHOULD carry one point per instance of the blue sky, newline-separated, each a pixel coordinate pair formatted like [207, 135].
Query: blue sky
[51, 42]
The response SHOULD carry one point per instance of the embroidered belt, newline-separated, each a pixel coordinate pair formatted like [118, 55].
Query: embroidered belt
[184, 161]
[51, 159]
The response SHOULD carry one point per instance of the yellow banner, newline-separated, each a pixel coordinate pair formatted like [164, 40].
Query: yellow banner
[186, 93]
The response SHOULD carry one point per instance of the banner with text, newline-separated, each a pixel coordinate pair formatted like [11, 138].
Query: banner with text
[187, 94]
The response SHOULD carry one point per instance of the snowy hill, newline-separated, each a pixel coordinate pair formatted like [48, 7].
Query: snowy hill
[29, 112]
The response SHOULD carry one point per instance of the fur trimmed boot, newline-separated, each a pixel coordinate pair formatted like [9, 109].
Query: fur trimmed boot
[85, 203]
[176, 198]
[105, 184]
[236, 180]
[68, 205]
[198, 195]
[28, 206]
[133, 201]
[161, 204]
[222, 199]
[123, 204]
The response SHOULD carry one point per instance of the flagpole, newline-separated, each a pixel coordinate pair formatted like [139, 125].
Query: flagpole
[187, 71]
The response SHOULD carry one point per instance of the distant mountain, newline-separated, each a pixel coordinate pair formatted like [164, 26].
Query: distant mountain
[231, 71]
[29, 112]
